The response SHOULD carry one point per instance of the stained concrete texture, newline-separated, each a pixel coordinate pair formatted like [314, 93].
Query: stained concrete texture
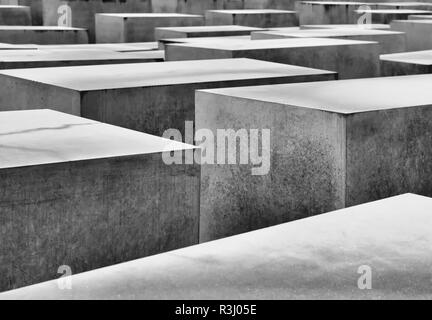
[15, 15]
[385, 16]
[350, 58]
[151, 97]
[321, 257]
[84, 194]
[17, 59]
[319, 158]
[266, 18]
[418, 32]
[139, 27]
[42, 35]
[372, 26]
[203, 31]
[390, 41]
[414, 62]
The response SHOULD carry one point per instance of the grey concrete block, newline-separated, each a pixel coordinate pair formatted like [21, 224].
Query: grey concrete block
[334, 144]
[15, 15]
[404, 5]
[373, 26]
[42, 35]
[150, 97]
[139, 27]
[350, 58]
[390, 41]
[266, 18]
[414, 62]
[117, 47]
[316, 258]
[419, 17]
[87, 195]
[215, 40]
[418, 32]
[386, 16]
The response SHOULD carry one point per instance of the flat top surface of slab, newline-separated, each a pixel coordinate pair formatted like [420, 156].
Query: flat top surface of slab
[37, 137]
[85, 78]
[208, 39]
[420, 16]
[210, 28]
[314, 258]
[392, 11]
[404, 4]
[414, 21]
[337, 3]
[40, 28]
[7, 6]
[120, 47]
[241, 45]
[318, 33]
[7, 46]
[343, 96]
[148, 15]
[252, 11]
[344, 26]
[416, 57]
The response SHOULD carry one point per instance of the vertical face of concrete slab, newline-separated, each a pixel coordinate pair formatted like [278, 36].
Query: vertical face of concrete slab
[95, 195]
[42, 35]
[15, 15]
[417, 62]
[253, 18]
[418, 32]
[328, 12]
[150, 97]
[351, 59]
[204, 31]
[139, 27]
[322, 136]
[386, 16]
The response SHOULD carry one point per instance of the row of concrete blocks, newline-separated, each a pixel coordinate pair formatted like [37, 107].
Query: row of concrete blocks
[84, 194]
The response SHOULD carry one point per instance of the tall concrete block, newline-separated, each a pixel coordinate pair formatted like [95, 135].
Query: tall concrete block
[333, 144]
[418, 32]
[267, 18]
[389, 41]
[139, 27]
[15, 15]
[43, 35]
[414, 62]
[350, 58]
[83, 194]
[151, 97]
[316, 258]
[385, 16]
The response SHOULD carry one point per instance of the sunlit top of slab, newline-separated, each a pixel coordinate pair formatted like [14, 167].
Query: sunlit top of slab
[8, 6]
[40, 28]
[405, 4]
[211, 28]
[148, 15]
[335, 3]
[322, 257]
[343, 96]
[393, 11]
[424, 21]
[242, 45]
[208, 39]
[7, 46]
[252, 11]
[86, 78]
[120, 47]
[345, 26]
[415, 57]
[36, 137]
[318, 33]
[420, 16]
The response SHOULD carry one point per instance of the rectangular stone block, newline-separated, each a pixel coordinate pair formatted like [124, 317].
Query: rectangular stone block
[18, 59]
[151, 97]
[385, 16]
[234, 39]
[83, 194]
[15, 15]
[328, 12]
[316, 258]
[372, 26]
[418, 33]
[325, 146]
[266, 18]
[350, 58]
[390, 41]
[117, 47]
[7, 46]
[404, 5]
[419, 17]
[139, 27]
[203, 31]
[42, 35]
[414, 62]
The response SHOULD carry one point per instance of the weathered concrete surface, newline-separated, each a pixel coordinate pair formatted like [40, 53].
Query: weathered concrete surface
[420, 17]
[203, 31]
[87, 195]
[139, 27]
[415, 62]
[117, 47]
[373, 26]
[350, 58]
[315, 258]
[15, 15]
[390, 41]
[151, 97]
[42, 35]
[418, 32]
[266, 18]
[385, 16]
[234, 39]
[323, 136]
[17, 59]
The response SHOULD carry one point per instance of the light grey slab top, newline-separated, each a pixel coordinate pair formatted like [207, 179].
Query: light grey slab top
[119, 47]
[423, 57]
[320, 33]
[393, 11]
[37, 137]
[321, 257]
[39, 28]
[252, 11]
[211, 28]
[422, 21]
[148, 15]
[342, 96]
[344, 26]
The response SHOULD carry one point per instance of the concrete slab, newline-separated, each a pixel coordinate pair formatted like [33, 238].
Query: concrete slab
[404, 5]
[373, 26]
[139, 27]
[203, 31]
[265, 18]
[315, 258]
[235, 39]
[390, 41]
[418, 32]
[17, 59]
[8, 46]
[15, 15]
[322, 136]
[93, 194]
[414, 62]
[328, 12]
[42, 35]
[385, 16]
[149, 97]
[118, 47]
[349, 58]
[420, 17]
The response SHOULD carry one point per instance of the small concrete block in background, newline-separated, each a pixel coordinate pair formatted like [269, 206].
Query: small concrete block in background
[266, 18]
[418, 33]
[43, 35]
[414, 62]
[15, 15]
